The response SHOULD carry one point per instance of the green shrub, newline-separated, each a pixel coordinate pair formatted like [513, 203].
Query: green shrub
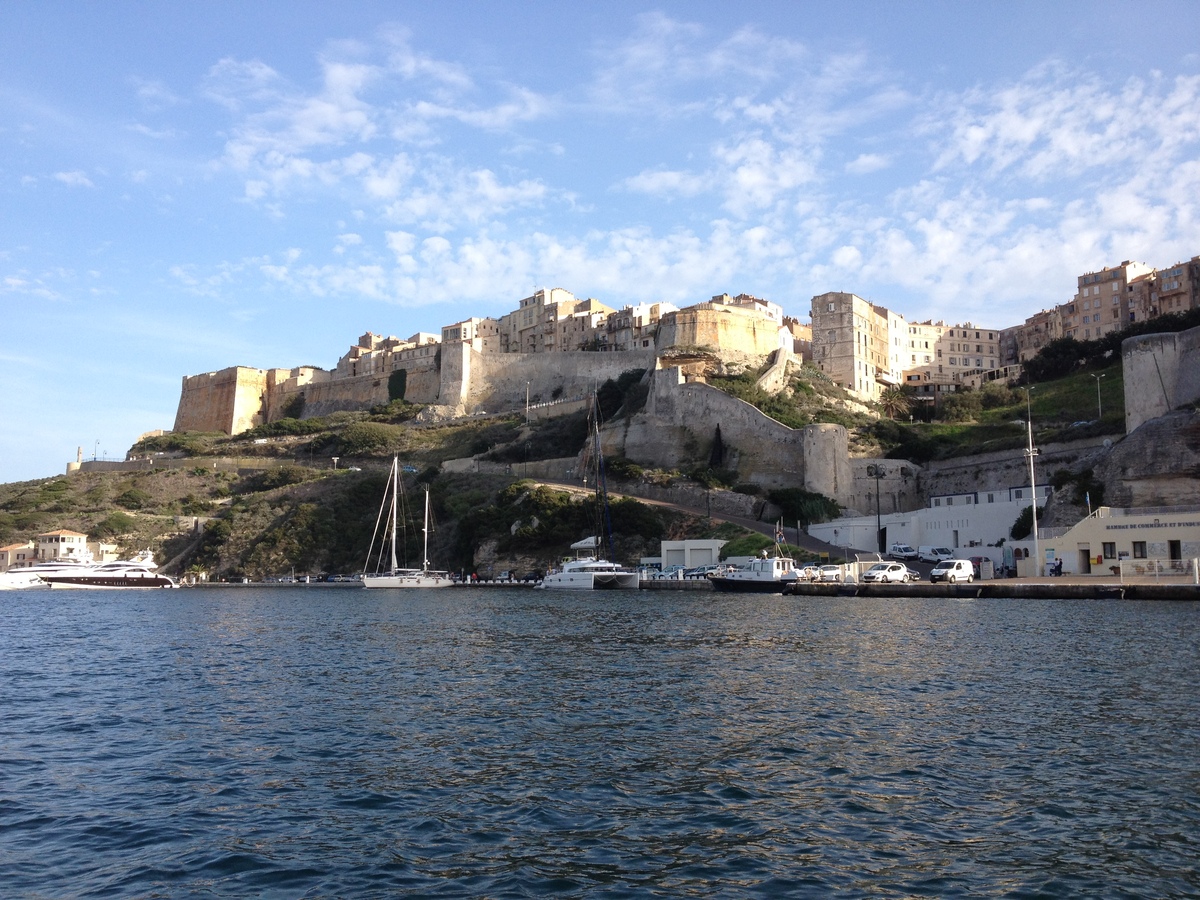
[133, 499]
[114, 524]
[369, 439]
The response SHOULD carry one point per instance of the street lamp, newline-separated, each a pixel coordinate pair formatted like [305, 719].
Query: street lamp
[1099, 410]
[877, 472]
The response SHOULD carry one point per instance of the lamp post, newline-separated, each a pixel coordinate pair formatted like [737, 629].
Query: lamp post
[1031, 452]
[1099, 409]
[877, 472]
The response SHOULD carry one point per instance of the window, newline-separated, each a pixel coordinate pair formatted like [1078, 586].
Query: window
[1139, 549]
[1110, 550]
[991, 498]
[1017, 494]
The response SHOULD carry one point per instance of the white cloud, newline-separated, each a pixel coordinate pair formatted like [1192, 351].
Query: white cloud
[74, 179]
[665, 183]
[867, 163]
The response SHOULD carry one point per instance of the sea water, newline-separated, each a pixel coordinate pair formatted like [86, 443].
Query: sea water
[323, 742]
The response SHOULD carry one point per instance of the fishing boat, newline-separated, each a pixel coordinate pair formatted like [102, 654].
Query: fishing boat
[395, 576]
[588, 571]
[769, 574]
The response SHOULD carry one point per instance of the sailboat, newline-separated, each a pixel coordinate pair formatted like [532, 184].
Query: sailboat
[587, 571]
[395, 576]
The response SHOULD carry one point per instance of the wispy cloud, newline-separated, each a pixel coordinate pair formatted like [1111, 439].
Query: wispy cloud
[75, 178]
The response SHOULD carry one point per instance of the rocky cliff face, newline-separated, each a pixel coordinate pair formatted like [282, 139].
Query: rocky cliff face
[1156, 465]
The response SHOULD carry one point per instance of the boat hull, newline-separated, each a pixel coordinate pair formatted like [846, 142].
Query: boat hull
[592, 581]
[109, 582]
[19, 581]
[408, 580]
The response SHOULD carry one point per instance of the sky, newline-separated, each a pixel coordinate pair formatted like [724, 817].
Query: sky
[190, 186]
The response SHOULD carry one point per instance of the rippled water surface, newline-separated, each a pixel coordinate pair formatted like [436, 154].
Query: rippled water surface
[322, 742]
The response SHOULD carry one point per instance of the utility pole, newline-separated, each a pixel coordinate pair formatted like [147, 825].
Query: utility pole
[1099, 409]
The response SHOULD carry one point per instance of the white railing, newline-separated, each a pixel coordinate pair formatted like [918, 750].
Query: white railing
[1174, 569]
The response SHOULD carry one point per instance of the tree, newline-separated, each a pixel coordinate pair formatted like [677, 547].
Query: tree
[895, 402]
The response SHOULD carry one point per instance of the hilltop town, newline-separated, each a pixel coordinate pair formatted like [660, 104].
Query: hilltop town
[490, 389]
[488, 364]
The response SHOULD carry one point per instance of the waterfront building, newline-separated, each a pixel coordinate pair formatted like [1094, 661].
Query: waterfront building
[1156, 541]
[970, 523]
[62, 544]
[17, 556]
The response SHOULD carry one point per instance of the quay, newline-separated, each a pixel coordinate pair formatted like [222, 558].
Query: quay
[1009, 588]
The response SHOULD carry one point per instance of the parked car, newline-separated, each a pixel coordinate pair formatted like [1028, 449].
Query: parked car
[890, 573]
[831, 573]
[934, 554]
[953, 570]
[702, 571]
[902, 551]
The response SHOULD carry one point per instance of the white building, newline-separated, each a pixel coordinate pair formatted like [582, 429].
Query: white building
[971, 524]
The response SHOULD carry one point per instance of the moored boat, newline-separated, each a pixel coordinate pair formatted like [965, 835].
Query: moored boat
[59, 574]
[586, 572]
[767, 575]
[394, 576]
[21, 580]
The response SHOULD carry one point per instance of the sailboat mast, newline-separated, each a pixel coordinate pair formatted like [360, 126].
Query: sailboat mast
[425, 552]
[395, 491]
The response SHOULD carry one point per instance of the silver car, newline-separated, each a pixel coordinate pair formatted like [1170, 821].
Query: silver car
[889, 573]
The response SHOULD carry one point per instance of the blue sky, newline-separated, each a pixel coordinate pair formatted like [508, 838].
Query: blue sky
[190, 186]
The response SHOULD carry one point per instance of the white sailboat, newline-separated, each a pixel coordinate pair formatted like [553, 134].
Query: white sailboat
[395, 576]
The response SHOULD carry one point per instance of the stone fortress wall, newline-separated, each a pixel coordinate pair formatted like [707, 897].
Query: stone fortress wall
[1162, 373]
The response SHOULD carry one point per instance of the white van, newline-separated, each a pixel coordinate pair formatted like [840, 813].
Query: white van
[953, 570]
[902, 551]
[933, 554]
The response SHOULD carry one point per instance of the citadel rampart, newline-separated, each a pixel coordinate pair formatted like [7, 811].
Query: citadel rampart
[1162, 373]
[678, 428]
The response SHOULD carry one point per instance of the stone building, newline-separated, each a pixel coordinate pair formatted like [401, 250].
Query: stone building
[852, 343]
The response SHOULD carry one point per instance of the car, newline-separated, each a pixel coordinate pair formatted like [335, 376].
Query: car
[934, 554]
[953, 570]
[887, 573]
[913, 574]
[831, 573]
[902, 551]
[701, 571]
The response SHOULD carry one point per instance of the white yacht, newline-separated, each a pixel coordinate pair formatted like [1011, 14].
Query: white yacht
[21, 580]
[588, 573]
[66, 573]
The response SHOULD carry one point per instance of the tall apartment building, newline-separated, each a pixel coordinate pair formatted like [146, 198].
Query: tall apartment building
[1176, 289]
[1102, 301]
[941, 358]
[852, 343]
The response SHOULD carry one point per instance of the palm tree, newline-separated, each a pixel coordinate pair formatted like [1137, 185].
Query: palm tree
[894, 401]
